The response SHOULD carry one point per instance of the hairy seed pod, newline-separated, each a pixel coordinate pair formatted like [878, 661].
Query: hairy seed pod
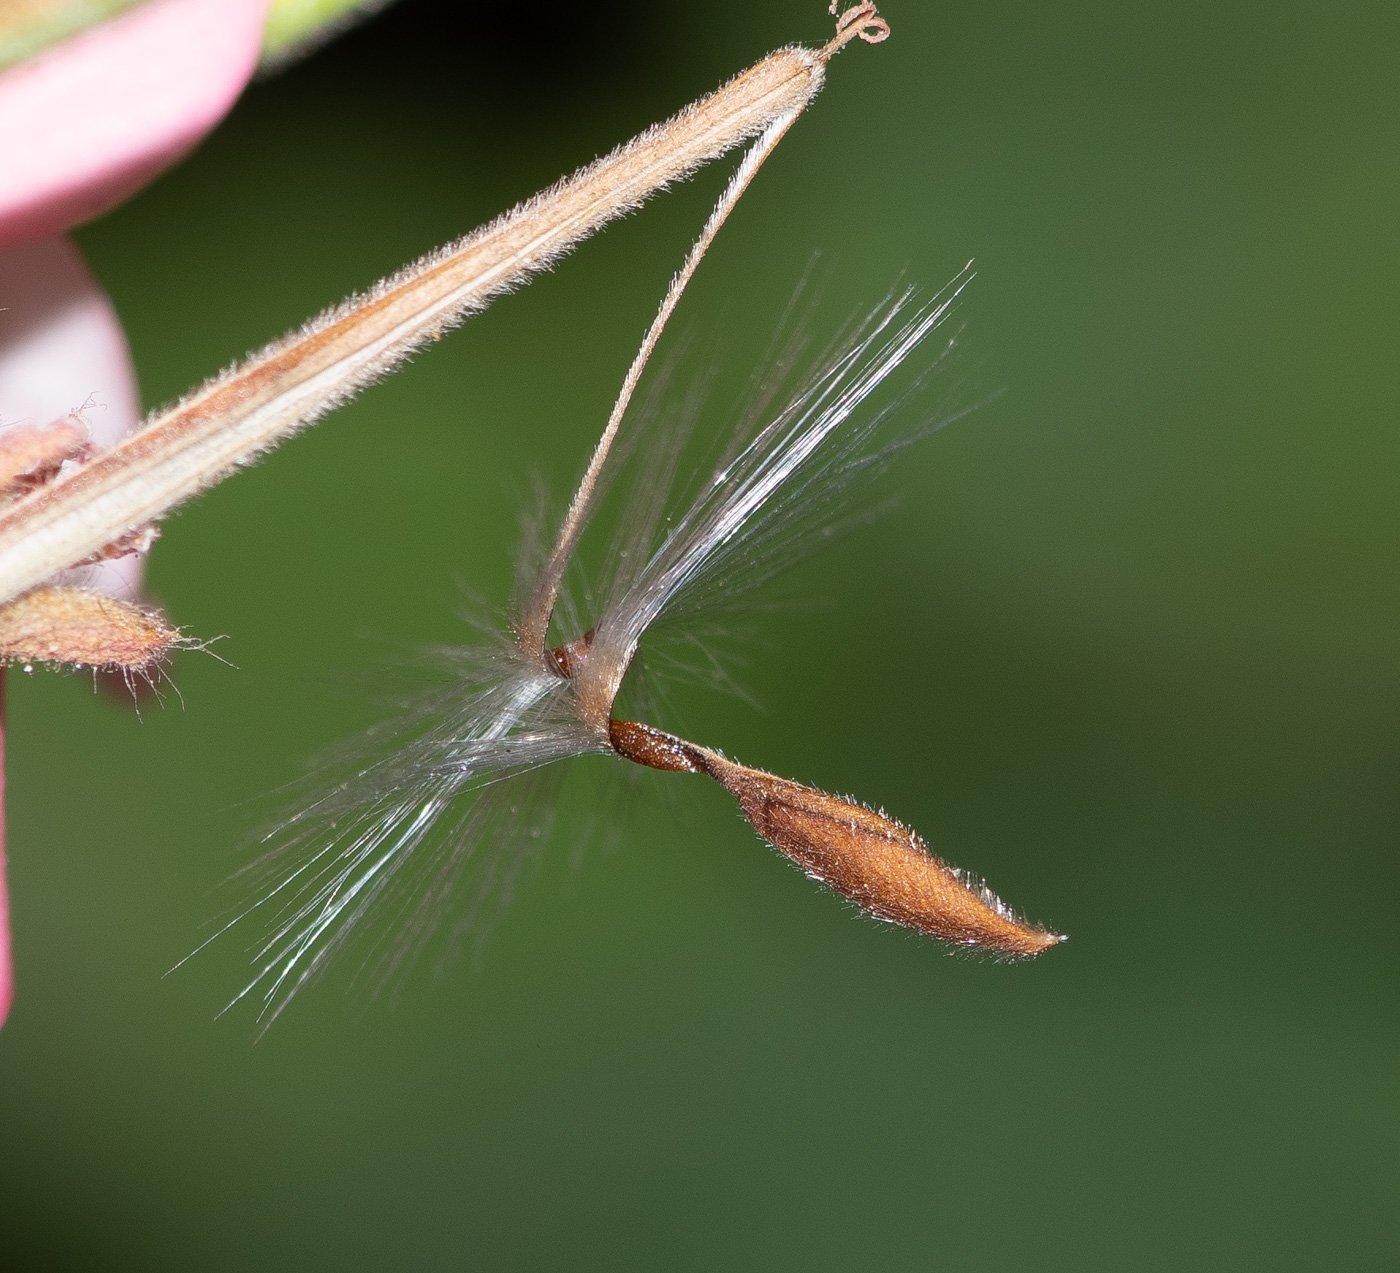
[883, 867]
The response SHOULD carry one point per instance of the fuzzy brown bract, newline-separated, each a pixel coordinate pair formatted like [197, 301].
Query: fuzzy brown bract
[81, 628]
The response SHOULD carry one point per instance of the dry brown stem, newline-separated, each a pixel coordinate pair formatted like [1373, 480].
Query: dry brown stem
[534, 623]
[861, 21]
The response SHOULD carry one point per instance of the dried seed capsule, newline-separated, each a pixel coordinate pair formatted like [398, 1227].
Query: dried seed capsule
[883, 867]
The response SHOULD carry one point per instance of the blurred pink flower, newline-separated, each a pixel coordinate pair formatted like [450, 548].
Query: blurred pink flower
[87, 123]
[84, 125]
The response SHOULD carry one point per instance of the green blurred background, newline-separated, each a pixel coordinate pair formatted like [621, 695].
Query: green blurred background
[1128, 647]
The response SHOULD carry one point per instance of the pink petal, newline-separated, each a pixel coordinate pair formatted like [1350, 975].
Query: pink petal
[61, 349]
[7, 979]
[88, 122]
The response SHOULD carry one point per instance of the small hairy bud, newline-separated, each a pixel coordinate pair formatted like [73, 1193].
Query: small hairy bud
[883, 867]
[135, 543]
[30, 454]
[84, 629]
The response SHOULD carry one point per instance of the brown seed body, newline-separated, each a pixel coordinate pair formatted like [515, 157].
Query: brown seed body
[883, 867]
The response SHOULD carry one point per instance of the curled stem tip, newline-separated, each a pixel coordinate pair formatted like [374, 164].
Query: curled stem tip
[860, 20]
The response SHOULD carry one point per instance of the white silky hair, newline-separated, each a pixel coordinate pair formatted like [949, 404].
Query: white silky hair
[773, 493]
[442, 820]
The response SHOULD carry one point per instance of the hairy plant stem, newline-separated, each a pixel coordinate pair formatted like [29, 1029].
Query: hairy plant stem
[255, 404]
